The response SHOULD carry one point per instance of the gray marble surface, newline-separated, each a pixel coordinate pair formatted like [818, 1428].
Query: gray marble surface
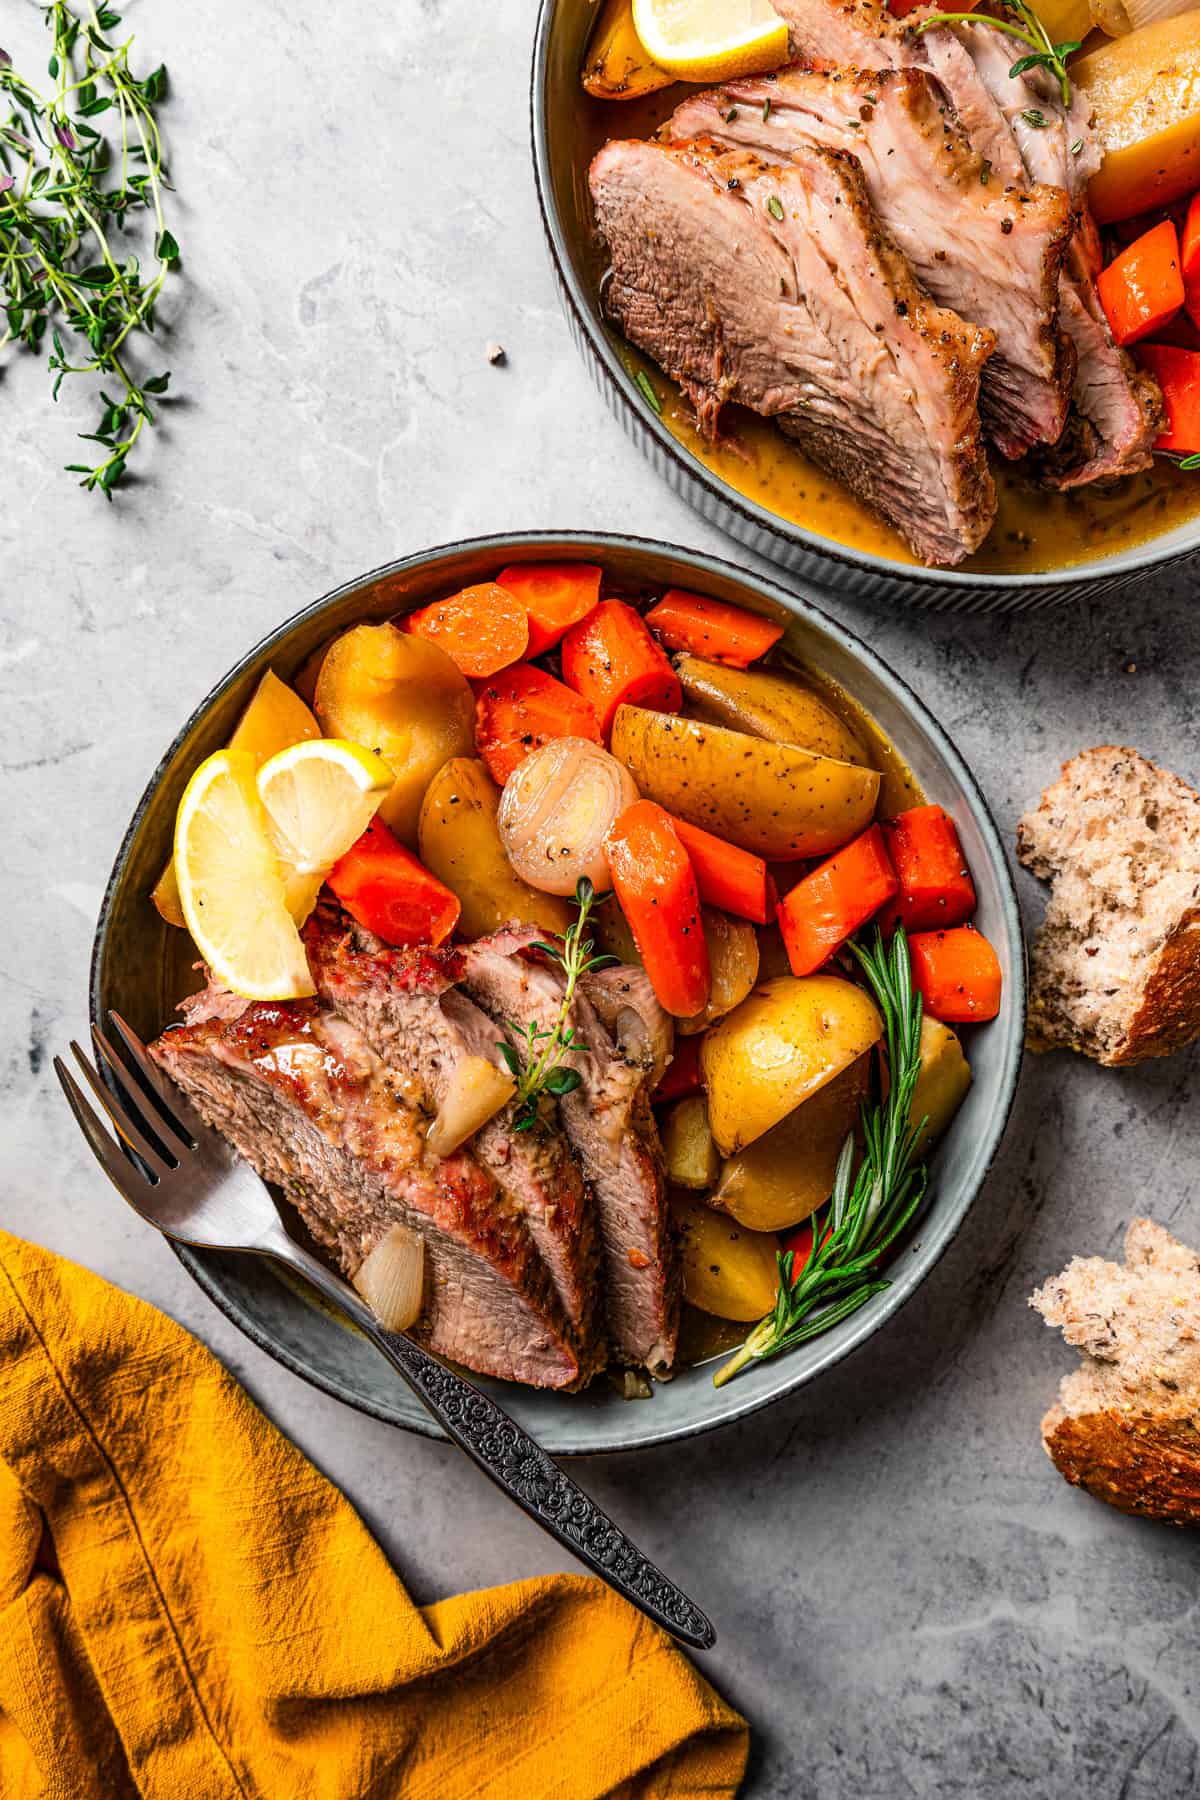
[909, 1600]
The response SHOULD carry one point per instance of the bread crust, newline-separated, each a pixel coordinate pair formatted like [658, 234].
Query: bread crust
[1142, 1463]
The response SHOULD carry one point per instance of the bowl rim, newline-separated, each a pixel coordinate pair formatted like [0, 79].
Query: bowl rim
[691, 469]
[739, 1401]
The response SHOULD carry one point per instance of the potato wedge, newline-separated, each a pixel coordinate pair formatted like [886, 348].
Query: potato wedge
[692, 1160]
[616, 67]
[780, 1046]
[783, 1176]
[733, 968]
[611, 930]
[776, 799]
[402, 697]
[1067, 21]
[766, 705]
[458, 839]
[942, 1084]
[726, 1270]
[1142, 90]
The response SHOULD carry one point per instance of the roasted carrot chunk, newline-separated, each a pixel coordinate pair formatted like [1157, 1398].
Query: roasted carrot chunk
[611, 659]
[682, 1075]
[711, 628]
[957, 974]
[1189, 260]
[1143, 288]
[735, 880]
[384, 887]
[483, 629]
[555, 597]
[831, 902]
[1177, 373]
[935, 884]
[655, 885]
[519, 710]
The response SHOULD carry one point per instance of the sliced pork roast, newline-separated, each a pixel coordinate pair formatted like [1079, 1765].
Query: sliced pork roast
[991, 253]
[421, 1024]
[608, 1123]
[1118, 409]
[775, 287]
[300, 1093]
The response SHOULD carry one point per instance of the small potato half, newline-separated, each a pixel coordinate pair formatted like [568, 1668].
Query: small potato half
[783, 1176]
[766, 704]
[733, 967]
[775, 799]
[726, 1270]
[459, 841]
[942, 1084]
[402, 697]
[781, 1045]
[692, 1160]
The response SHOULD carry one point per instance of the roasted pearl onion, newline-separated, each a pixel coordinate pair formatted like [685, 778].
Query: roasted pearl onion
[556, 811]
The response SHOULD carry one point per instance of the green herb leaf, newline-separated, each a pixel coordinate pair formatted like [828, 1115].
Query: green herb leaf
[646, 388]
[774, 207]
[1190, 462]
[1034, 118]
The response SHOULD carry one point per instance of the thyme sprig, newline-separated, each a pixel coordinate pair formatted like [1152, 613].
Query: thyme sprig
[537, 1065]
[1044, 53]
[868, 1210]
[66, 190]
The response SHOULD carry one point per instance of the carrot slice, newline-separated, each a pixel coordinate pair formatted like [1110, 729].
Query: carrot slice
[555, 597]
[824, 909]
[1143, 288]
[519, 710]
[735, 880]
[682, 1076]
[655, 885]
[483, 629]
[725, 634]
[1177, 373]
[611, 659]
[1189, 260]
[957, 974]
[935, 884]
[384, 887]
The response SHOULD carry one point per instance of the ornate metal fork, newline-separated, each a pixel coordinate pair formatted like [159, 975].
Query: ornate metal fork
[196, 1189]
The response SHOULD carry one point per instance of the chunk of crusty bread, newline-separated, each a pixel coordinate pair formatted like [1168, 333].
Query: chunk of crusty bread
[1127, 1423]
[1116, 962]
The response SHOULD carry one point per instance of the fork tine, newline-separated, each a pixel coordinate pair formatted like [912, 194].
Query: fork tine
[175, 1106]
[108, 1153]
[123, 1122]
[143, 1105]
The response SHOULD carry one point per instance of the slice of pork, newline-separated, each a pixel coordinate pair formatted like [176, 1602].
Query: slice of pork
[299, 1092]
[774, 286]
[609, 1125]
[407, 1005]
[990, 252]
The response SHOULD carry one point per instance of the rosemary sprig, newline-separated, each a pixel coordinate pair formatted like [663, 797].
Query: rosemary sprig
[66, 190]
[1044, 53]
[1190, 462]
[868, 1210]
[537, 1067]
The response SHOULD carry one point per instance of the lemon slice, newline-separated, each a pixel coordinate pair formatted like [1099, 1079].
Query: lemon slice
[711, 40]
[320, 797]
[230, 887]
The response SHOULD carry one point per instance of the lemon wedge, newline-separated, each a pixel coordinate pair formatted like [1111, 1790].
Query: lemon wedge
[231, 890]
[711, 40]
[319, 796]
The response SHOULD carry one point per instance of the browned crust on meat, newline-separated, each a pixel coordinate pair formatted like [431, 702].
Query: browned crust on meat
[1140, 1463]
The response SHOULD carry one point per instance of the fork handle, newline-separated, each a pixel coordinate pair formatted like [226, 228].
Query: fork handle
[496, 1444]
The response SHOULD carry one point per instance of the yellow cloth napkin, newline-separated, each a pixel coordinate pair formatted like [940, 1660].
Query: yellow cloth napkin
[189, 1611]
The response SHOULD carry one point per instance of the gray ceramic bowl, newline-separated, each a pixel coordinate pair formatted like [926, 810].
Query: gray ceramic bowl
[564, 135]
[140, 967]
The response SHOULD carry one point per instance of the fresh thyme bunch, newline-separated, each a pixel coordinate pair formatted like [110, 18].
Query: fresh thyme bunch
[66, 191]
[867, 1211]
[538, 1067]
[1026, 28]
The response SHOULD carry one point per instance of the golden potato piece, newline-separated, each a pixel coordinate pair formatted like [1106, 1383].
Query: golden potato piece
[781, 1045]
[767, 705]
[610, 928]
[726, 1270]
[733, 966]
[1142, 91]
[942, 1084]
[403, 698]
[775, 799]
[692, 1160]
[459, 841]
[616, 66]
[783, 1176]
